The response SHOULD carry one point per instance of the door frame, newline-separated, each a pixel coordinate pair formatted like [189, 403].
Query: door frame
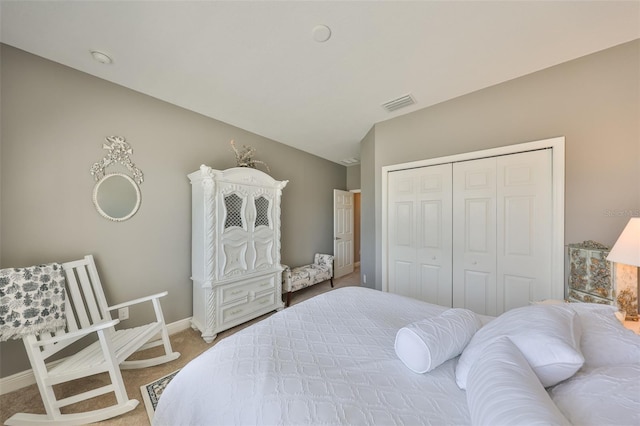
[557, 146]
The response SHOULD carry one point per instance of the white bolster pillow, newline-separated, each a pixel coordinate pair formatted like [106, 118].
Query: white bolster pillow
[502, 389]
[424, 345]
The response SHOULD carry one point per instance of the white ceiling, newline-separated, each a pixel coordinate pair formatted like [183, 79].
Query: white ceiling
[256, 65]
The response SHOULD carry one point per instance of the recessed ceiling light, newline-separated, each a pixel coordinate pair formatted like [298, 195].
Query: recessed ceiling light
[321, 33]
[101, 57]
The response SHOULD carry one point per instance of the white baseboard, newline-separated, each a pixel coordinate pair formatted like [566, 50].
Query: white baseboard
[26, 378]
[179, 325]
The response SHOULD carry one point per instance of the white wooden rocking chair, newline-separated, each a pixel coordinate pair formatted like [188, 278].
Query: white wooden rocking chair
[87, 312]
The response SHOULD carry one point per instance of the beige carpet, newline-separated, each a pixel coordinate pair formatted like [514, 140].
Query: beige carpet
[187, 342]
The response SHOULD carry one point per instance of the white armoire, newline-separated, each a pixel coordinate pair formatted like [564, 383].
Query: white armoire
[475, 234]
[235, 247]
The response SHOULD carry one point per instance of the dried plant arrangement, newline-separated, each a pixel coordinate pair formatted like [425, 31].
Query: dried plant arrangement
[628, 303]
[244, 156]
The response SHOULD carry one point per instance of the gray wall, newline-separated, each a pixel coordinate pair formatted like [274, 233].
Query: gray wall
[593, 101]
[353, 177]
[368, 213]
[54, 121]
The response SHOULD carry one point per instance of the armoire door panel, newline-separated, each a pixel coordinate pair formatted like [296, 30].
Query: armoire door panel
[264, 254]
[235, 258]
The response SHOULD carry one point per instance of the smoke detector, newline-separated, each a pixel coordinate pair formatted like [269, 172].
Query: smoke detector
[321, 33]
[101, 57]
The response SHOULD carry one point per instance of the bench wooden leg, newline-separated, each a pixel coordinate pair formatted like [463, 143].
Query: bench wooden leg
[288, 299]
[331, 282]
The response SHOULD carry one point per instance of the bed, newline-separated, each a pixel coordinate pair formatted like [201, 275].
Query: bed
[336, 359]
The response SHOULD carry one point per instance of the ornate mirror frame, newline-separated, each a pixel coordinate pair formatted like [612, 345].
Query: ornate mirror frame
[118, 151]
[107, 212]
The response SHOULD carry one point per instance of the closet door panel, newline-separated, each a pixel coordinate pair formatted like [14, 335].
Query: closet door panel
[420, 233]
[434, 243]
[524, 212]
[477, 232]
[517, 290]
[477, 291]
[431, 287]
[402, 230]
[474, 235]
[402, 281]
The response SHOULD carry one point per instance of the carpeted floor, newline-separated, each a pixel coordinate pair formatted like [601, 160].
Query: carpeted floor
[187, 342]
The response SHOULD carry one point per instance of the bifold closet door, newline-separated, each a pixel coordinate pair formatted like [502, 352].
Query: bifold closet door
[474, 235]
[525, 218]
[420, 233]
[502, 231]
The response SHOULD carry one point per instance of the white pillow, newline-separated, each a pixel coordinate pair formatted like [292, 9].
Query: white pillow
[502, 389]
[547, 335]
[605, 341]
[607, 395]
[424, 345]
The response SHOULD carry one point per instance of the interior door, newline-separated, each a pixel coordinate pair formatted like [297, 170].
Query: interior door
[420, 233]
[342, 233]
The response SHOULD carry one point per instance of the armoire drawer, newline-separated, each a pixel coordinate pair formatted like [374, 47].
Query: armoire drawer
[238, 291]
[233, 313]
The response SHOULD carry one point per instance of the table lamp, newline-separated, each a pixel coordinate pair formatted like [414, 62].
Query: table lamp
[627, 251]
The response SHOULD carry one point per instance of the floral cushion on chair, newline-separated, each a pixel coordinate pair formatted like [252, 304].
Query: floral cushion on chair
[308, 275]
[324, 260]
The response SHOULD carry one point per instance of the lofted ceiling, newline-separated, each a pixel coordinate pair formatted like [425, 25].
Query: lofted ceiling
[258, 66]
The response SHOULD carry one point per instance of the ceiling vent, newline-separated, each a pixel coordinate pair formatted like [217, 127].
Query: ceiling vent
[350, 161]
[401, 102]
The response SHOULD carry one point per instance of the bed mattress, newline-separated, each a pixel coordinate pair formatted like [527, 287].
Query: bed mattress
[328, 360]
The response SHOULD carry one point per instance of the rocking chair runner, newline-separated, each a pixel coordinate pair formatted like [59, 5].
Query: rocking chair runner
[87, 312]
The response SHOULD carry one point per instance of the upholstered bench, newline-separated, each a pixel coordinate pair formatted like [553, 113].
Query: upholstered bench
[304, 276]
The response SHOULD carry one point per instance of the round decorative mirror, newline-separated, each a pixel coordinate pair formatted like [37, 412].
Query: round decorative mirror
[116, 197]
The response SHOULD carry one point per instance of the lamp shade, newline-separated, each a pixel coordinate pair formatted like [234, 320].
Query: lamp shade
[627, 249]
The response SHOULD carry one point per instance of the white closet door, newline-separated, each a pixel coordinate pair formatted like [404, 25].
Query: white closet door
[474, 235]
[524, 215]
[420, 233]
[502, 232]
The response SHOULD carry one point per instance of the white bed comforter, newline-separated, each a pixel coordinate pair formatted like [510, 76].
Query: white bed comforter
[329, 360]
